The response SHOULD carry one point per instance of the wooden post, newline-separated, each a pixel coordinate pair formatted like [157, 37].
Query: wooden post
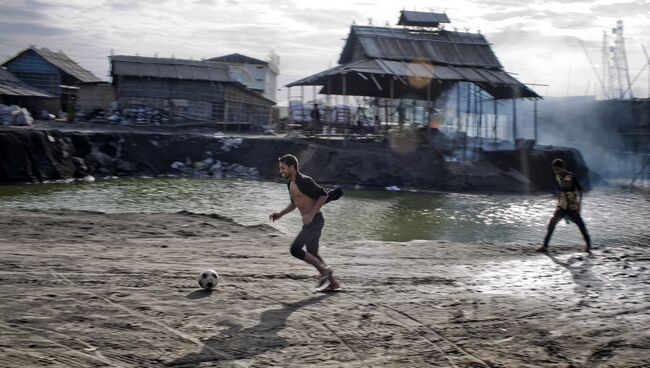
[289, 105]
[344, 88]
[475, 109]
[386, 113]
[314, 128]
[514, 123]
[469, 108]
[535, 119]
[415, 110]
[392, 96]
[225, 114]
[458, 118]
[496, 115]
[302, 104]
[479, 102]
[329, 103]
[428, 113]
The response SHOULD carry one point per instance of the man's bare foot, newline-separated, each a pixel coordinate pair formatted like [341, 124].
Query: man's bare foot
[325, 277]
[334, 284]
[330, 285]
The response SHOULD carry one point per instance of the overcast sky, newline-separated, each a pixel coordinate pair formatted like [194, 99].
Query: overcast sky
[538, 40]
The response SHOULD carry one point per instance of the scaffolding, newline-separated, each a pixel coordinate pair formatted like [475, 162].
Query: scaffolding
[619, 83]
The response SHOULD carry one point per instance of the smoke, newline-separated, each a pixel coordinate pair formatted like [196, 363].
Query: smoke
[603, 131]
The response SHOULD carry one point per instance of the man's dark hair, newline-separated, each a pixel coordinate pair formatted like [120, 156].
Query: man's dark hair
[289, 160]
[558, 162]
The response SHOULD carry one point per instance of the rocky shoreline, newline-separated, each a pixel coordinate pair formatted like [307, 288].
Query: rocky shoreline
[49, 151]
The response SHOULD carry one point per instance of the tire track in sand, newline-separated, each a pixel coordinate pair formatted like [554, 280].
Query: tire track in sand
[426, 327]
[331, 331]
[170, 329]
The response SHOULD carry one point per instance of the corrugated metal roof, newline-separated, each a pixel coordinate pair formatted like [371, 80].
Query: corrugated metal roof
[238, 59]
[67, 65]
[442, 47]
[426, 62]
[422, 19]
[495, 81]
[12, 86]
[139, 66]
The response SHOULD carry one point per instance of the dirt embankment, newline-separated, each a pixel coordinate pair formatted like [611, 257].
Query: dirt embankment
[43, 153]
[83, 289]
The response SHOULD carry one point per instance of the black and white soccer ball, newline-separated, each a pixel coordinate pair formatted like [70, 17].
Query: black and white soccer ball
[208, 279]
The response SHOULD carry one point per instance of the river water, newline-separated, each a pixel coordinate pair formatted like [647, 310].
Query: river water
[613, 215]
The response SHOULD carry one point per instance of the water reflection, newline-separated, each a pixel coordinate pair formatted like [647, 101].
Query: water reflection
[610, 215]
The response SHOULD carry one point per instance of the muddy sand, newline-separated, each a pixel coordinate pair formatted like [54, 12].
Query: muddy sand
[84, 289]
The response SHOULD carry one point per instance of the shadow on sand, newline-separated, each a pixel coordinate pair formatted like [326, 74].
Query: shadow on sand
[235, 342]
[586, 284]
[199, 294]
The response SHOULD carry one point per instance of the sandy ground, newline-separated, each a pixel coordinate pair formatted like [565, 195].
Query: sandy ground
[82, 289]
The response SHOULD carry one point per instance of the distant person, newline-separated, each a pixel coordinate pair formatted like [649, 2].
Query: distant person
[401, 114]
[315, 118]
[569, 200]
[308, 197]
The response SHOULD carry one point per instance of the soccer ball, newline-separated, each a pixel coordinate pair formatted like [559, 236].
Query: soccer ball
[208, 279]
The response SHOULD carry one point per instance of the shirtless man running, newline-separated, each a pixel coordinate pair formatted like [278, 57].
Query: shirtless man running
[308, 197]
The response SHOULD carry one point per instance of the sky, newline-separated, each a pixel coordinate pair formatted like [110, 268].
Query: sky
[536, 40]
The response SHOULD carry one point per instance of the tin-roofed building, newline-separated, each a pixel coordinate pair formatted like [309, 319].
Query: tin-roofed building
[50, 71]
[374, 56]
[420, 62]
[189, 90]
[14, 91]
[255, 74]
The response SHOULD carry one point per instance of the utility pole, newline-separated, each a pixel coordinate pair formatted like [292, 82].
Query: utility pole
[602, 84]
[605, 61]
[647, 59]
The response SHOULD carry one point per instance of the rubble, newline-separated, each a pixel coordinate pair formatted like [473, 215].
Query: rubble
[138, 115]
[15, 115]
[231, 143]
[212, 168]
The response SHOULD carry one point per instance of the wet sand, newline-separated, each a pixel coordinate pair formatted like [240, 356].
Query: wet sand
[84, 289]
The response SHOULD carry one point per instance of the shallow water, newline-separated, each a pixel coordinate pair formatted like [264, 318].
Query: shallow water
[612, 215]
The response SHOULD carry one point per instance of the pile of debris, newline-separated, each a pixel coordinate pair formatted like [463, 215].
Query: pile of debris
[139, 114]
[15, 115]
[213, 168]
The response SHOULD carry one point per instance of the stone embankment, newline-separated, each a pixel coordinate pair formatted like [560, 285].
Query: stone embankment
[44, 154]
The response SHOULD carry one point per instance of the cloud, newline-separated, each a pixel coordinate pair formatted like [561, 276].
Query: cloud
[561, 20]
[518, 14]
[17, 12]
[124, 5]
[24, 28]
[132, 5]
[574, 21]
[641, 7]
[323, 19]
[555, 60]
[39, 4]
